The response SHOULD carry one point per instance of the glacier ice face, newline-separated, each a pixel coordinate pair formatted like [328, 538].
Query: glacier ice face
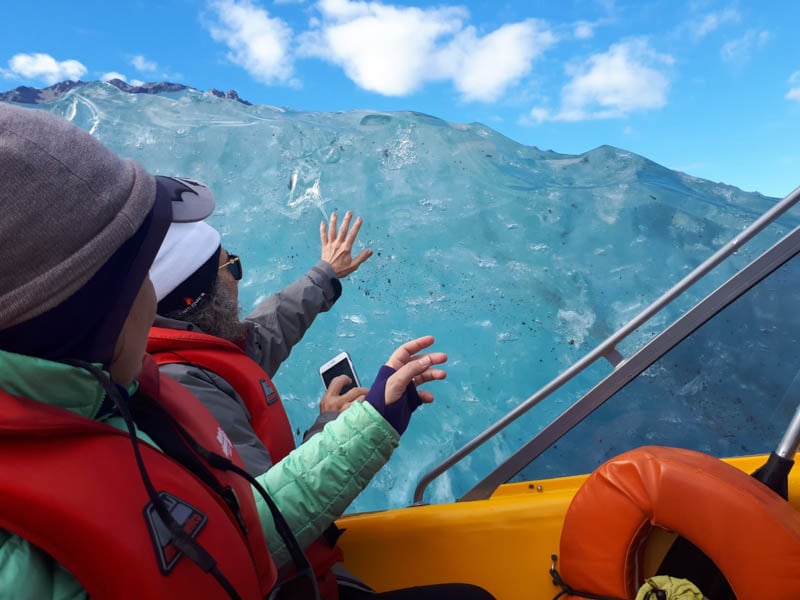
[518, 260]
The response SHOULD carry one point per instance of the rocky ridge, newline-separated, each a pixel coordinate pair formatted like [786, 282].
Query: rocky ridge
[29, 95]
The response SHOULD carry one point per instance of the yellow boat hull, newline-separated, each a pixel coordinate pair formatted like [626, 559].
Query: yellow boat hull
[503, 544]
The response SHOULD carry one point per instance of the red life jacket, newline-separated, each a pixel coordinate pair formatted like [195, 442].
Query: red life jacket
[267, 415]
[229, 361]
[71, 486]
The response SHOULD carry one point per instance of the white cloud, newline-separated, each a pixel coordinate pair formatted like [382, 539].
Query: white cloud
[794, 90]
[382, 48]
[625, 79]
[710, 22]
[140, 63]
[540, 115]
[583, 30]
[740, 50]
[483, 68]
[43, 67]
[395, 50]
[136, 82]
[255, 41]
[113, 75]
[610, 6]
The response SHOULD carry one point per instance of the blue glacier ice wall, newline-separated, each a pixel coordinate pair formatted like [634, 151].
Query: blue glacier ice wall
[518, 260]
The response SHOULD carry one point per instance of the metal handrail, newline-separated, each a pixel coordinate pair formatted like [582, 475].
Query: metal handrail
[701, 313]
[608, 347]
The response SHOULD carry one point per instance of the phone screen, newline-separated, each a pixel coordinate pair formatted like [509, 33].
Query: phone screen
[341, 367]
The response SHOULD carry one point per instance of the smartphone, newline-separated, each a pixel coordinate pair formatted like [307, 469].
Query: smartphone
[339, 365]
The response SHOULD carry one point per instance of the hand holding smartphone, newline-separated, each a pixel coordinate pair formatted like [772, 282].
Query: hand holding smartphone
[339, 365]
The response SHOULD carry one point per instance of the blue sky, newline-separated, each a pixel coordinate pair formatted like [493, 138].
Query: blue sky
[710, 88]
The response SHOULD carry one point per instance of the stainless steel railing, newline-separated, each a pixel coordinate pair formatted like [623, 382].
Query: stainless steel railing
[608, 348]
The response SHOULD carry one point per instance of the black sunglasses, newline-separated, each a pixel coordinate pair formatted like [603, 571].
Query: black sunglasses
[234, 265]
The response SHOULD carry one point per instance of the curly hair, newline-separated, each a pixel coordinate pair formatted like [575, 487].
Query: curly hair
[218, 316]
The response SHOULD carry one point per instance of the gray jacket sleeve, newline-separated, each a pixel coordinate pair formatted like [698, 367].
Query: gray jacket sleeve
[322, 420]
[280, 321]
[228, 408]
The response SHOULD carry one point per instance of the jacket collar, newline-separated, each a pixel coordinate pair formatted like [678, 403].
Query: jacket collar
[51, 382]
[167, 323]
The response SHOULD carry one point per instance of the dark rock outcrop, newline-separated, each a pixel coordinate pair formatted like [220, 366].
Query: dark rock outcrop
[29, 95]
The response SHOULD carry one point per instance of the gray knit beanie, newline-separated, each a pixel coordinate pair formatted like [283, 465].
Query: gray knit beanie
[67, 203]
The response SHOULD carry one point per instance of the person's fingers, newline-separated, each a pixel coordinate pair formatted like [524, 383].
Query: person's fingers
[342, 235]
[323, 233]
[404, 353]
[334, 400]
[360, 259]
[419, 368]
[332, 226]
[353, 265]
[336, 385]
[429, 375]
[434, 358]
[353, 233]
[425, 396]
[355, 394]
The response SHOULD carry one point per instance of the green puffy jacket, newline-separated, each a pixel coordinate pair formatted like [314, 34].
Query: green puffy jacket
[312, 486]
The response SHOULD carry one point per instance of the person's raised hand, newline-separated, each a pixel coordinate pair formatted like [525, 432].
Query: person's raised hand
[337, 244]
[394, 393]
[413, 368]
[335, 401]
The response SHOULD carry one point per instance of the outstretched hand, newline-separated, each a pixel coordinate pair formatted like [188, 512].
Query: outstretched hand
[335, 401]
[394, 393]
[412, 368]
[337, 246]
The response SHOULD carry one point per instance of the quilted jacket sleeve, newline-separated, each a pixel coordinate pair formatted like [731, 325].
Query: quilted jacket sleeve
[316, 482]
[27, 573]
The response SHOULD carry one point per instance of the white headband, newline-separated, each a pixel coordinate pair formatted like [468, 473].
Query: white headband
[185, 249]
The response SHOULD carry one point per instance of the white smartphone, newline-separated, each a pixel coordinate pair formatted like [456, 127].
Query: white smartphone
[339, 365]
